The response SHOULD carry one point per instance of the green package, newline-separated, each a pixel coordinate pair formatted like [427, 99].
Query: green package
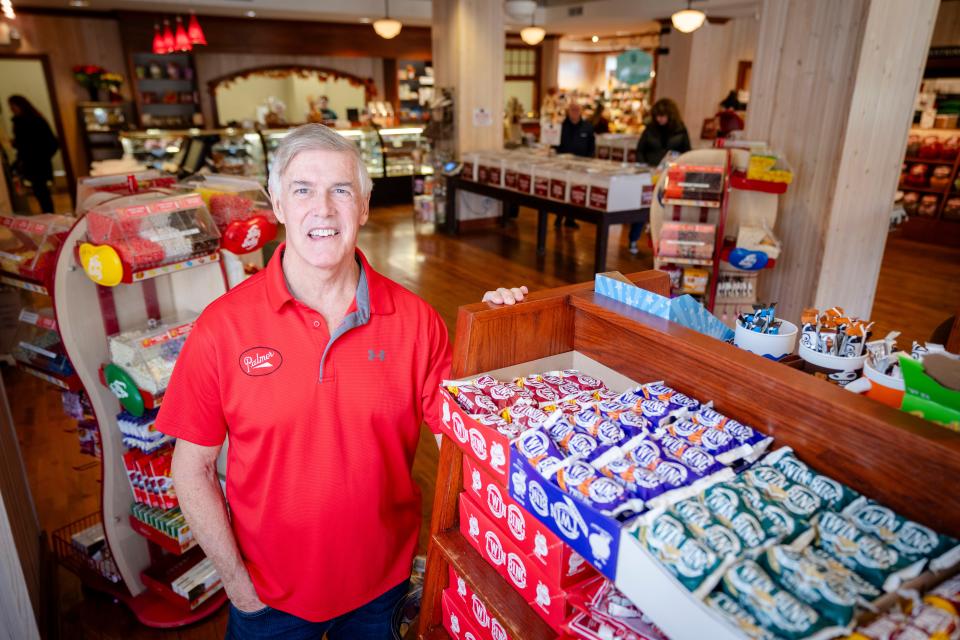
[737, 616]
[776, 609]
[729, 504]
[866, 592]
[912, 539]
[835, 495]
[814, 583]
[691, 561]
[794, 497]
[873, 560]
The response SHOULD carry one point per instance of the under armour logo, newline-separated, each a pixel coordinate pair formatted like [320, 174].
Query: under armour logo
[373, 355]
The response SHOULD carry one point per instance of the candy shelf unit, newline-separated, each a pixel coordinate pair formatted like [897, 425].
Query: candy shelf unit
[87, 314]
[934, 229]
[821, 422]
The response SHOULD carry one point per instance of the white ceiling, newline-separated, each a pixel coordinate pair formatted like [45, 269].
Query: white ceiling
[596, 17]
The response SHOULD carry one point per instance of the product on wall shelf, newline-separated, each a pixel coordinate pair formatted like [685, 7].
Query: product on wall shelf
[167, 527]
[166, 90]
[928, 189]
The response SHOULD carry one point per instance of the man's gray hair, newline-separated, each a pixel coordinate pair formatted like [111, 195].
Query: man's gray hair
[315, 137]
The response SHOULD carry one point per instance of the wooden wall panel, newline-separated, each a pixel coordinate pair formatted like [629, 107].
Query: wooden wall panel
[549, 65]
[69, 41]
[286, 37]
[211, 65]
[946, 33]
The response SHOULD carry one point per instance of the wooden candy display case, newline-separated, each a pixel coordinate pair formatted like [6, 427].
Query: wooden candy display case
[900, 460]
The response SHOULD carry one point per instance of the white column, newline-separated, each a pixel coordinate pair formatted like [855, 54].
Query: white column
[833, 88]
[468, 46]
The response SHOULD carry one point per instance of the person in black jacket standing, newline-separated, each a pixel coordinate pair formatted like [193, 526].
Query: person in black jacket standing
[664, 133]
[576, 137]
[35, 144]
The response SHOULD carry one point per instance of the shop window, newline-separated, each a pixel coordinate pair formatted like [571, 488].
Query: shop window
[521, 70]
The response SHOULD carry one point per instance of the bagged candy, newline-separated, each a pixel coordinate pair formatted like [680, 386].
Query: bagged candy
[693, 457]
[878, 563]
[737, 616]
[727, 505]
[581, 480]
[700, 522]
[689, 560]
[795, 498]
[527, 416]
[471, 398]
[834, 495]
[776, 609]
[537, 448]
[946, 595]
[719, 444]
[913, 540]
[814, 583]
[866, 592]
[642, 484]
[743, 434]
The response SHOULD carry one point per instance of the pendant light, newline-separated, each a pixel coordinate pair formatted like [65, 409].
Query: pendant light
[168, 41]
[159, 47]
[533, 35]
[183, 42]
[688, 20]
[387, 27]
[194, 32]
[8, 12]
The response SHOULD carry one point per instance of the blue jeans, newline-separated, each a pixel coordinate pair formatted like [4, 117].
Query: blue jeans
[372, 621]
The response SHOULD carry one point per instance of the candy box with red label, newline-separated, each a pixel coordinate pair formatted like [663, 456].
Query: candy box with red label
[541, 179]
[29, 244]
[465, 598]
[620, 190]
[469, 170]
[456, 620]
[519, 571]
[490, 170]
[239, 207]
[558, 561]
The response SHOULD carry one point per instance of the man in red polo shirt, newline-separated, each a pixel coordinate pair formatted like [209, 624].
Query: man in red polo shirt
[321, 371]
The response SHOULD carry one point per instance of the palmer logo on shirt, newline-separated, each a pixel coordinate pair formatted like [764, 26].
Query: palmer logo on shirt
[260, 361]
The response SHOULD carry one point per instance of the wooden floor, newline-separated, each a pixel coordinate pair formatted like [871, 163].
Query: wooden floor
[919, 287]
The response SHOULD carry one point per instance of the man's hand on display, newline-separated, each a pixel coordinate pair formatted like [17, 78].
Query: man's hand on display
[505, 296]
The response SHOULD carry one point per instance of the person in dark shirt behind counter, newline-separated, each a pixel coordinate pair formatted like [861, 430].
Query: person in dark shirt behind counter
[576, 137]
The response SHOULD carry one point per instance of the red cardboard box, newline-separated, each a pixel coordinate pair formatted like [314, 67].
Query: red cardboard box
[560, 564]
[545, 597]
[489, 447]
[455, 620]
[487, 625]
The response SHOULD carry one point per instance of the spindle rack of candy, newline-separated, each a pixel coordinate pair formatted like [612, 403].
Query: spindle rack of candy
[711, 223]
[702, 512]
[137, 270]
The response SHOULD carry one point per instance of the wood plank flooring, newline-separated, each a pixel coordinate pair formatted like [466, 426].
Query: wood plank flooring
[919, 287]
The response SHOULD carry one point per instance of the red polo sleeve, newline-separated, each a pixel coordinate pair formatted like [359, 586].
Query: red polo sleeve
[191, 407]
[438, 370]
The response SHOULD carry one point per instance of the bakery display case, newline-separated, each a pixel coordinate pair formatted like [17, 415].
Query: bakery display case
[852, 476]
[405, 151]
[365, 138]
[239, 153]
[154, 147]
[100, 125]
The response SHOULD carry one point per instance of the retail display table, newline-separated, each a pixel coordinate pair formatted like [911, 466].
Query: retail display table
[890, 456]
[543, 206]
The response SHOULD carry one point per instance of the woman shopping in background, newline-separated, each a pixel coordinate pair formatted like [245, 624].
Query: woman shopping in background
[35, 144]
[664, 133]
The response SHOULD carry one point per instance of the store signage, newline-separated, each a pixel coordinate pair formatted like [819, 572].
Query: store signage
[124, 388]
[634, 67]
[101, 263]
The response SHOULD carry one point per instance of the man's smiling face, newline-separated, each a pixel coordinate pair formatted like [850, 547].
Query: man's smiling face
[321, 205]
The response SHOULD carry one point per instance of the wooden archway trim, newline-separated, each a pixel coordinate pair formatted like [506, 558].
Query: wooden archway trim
[285, 70]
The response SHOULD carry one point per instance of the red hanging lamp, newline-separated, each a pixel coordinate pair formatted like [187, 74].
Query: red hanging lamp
[159, 47]
[194, 32]
[183, 42]
[168, 42]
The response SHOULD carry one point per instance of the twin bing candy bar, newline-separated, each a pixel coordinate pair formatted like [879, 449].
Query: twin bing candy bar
[690, 561]
[537, 448]
[580, 480]
[774, 607]
[827, 592]
[737, 616]
[834, 495]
